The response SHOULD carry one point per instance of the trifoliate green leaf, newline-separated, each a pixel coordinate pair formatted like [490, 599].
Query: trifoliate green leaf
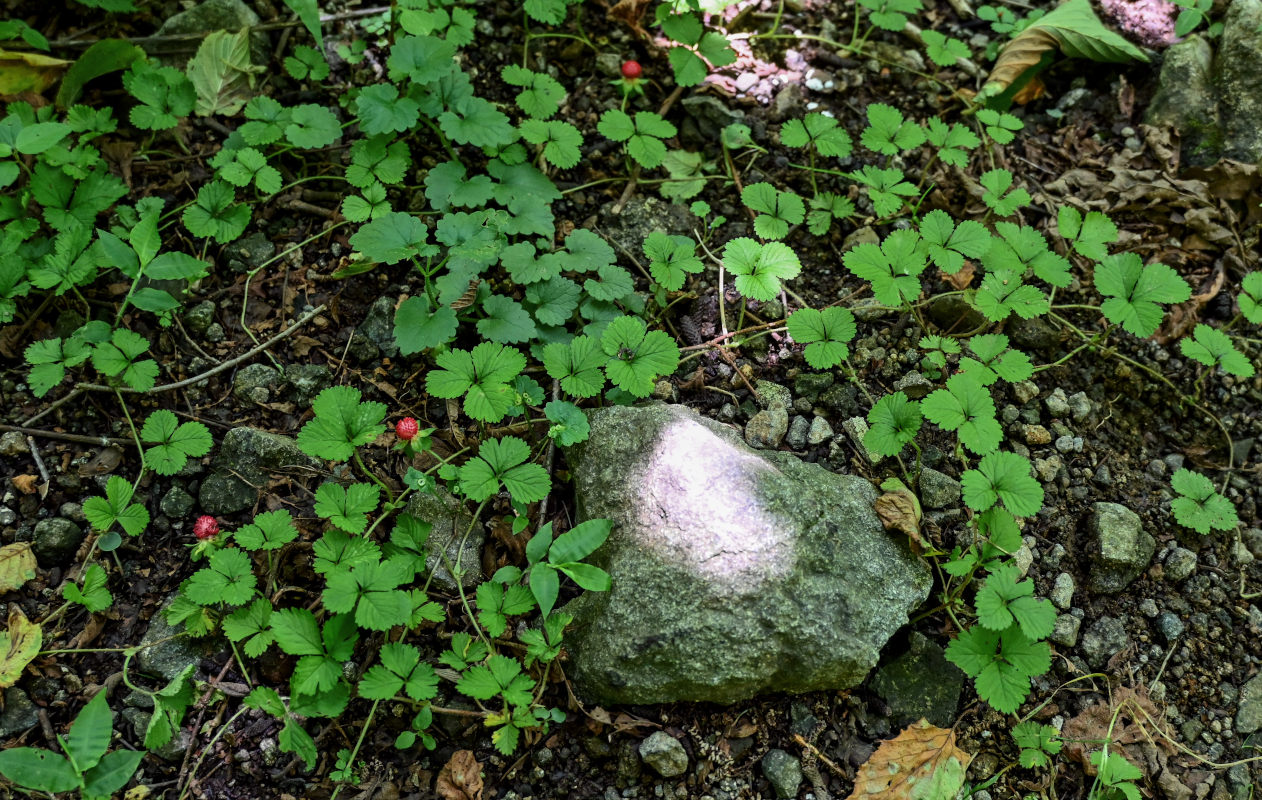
[569, 423]
[1003, 600]
[825, 334]
[965, 406]
[541, 94]
[816, 130]
[1199, 506]
[481, 376]
[949, 244]
[562, 142]
[116, 507]
[759, 268]
[1134, 291]
[576, 366]
[893, 268]
[944, 50]
[371, 591]
[343, 421]
[671, 259]
[1212, 347]
[271, 530]
[252, 625]
[504, 461]
[894, 421]
[952, 141]
[888, 133]
[1091, 236]
[1003, 477]
[777, 210]
[174, 443]
[229, 579]
[347, 507]
[94, 595]
[997, 182]
[1000, 125]
[636, 355]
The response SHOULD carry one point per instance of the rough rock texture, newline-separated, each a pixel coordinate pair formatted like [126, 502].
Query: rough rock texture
[245, 459]
[56, 541]
[920, 683]
[1238, 79]
[450, 520]
[1120, 549]
[734, 572]
[664, 753]
[1214, 99]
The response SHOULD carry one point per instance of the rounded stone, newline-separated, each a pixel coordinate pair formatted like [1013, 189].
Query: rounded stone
[665, 754]
[784, 771]
[55, 541]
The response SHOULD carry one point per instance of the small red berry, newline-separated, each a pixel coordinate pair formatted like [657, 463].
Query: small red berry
[407, 428]
[631, 70]
[206, 527]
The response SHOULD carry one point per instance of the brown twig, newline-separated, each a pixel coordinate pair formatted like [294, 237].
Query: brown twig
[100, 441]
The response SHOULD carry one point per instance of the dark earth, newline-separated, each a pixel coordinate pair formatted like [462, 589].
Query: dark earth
[1181, 640]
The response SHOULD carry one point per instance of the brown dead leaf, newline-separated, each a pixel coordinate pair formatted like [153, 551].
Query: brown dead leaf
[26, 484]
[460, 778]
[961, 280]
[1183, 317]
[741, 729]
[302, 345]
[900, 511]
[102, 463]
[1022, 53]
[922, 761]
[1133, 730]
[631, 12]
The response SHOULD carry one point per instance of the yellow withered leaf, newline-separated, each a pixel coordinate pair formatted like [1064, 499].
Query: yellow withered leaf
[921, 763]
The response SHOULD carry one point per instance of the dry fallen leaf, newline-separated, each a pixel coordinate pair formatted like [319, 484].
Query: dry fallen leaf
[23, 74]
[18, 646]
[921, 763]
[1129, 717]
[961, 280]
[899, 510]
[460, 778]
[17, 566]
[26, 484]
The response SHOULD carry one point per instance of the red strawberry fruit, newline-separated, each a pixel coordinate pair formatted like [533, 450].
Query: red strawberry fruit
[407, 428]
[206, 527]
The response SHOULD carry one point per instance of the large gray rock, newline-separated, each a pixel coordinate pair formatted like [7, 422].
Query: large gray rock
[1120, 548]
[1185, 100]
[454, 535]
[1238, 79]
[1214, 99]
[247, 457]
[734, 572]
